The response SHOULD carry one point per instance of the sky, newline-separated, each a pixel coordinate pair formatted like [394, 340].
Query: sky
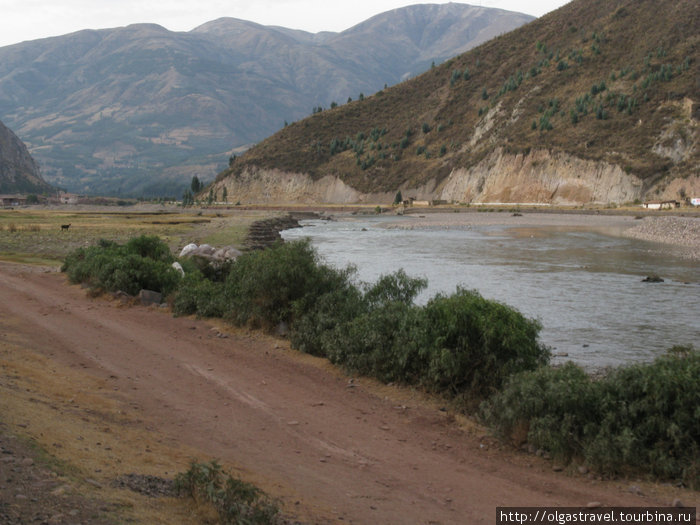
[32, 19]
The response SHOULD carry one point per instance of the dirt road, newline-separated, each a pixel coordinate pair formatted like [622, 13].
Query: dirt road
[332, 448]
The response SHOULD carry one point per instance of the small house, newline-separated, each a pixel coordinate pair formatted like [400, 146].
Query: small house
[661, 205]
[13, 200]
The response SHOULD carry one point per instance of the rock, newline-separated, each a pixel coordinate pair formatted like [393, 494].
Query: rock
[94, 483]
[557, 468]
[282, 329]
[594, 504]
[652, 279]
[149, 297]
[179, 268]
[677, 503]
[583, 469]
[55, 519]
[27, 462]
[187, 249]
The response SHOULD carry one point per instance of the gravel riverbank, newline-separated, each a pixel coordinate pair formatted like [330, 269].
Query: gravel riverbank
[678, 231]
[682, 232]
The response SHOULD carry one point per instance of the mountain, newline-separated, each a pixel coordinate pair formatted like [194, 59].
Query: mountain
[139, 110]
[596, 102]
[18, 171]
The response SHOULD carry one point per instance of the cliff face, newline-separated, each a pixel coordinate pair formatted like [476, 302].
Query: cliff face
[19, 173]
[541, 177]
[538, 177]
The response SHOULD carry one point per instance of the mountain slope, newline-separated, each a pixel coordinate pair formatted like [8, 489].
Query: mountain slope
[140, 110]
[18, 171]
[595, 102]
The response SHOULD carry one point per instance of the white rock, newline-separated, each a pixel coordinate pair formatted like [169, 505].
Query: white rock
[187, 249]
[178, 267]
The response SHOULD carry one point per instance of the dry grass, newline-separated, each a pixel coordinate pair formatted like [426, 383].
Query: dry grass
[99, 443]
[35, 236]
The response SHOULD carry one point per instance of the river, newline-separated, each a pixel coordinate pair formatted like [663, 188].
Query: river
[583, 285]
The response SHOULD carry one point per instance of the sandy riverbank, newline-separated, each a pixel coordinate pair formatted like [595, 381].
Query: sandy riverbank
[681, 232]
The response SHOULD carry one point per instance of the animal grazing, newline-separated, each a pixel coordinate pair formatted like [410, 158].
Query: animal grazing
[65, 226]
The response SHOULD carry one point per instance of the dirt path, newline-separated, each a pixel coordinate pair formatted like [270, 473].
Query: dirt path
[332, 448]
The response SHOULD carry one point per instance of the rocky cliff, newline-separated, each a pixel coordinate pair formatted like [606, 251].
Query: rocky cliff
[536, 177]
[19, 173]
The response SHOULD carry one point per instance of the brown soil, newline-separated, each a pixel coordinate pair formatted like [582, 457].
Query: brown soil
[114, 391]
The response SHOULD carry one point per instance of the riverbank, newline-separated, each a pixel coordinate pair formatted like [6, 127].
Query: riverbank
[678, 231]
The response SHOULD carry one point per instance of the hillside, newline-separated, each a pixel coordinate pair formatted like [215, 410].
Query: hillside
[594, 102]
[139, 110]
[19, 172]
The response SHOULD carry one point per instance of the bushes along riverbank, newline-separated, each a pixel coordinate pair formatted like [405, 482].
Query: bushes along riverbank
[461, 346]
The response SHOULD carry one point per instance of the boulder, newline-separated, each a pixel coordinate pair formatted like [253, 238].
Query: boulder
[149, 297]
[179, 268]
[187, 249]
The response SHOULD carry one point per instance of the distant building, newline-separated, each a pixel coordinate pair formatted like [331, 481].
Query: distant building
[13, 200]
[695, 201]
[67, 198]
[661, 205]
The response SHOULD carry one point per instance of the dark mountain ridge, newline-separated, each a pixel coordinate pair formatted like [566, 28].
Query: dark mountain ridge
[19, 172]
[139, 110]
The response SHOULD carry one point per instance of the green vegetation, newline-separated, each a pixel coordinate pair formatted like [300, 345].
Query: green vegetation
[469, 350]
[644, 417]
[143, 262]
[235, 501]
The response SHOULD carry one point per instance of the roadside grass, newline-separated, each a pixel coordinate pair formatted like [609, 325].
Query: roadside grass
[236, 502]
[87, 439]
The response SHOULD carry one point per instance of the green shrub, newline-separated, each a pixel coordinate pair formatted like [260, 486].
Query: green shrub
[645, 417]
[266, 287]
[471, 345]
[315, 321]
[379, 342]
[144, 262]
[235, 501]
[199, 295]
[461, 346]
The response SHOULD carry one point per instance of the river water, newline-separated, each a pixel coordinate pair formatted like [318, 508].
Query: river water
[585, 287]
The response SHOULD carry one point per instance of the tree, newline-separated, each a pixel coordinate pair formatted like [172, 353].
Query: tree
[231, 160]
[399, 198]
[187, 198]
[225, 195]
[196, 186]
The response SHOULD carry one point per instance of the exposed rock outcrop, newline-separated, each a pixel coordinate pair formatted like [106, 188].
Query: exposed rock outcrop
[538, 177]
[19, 173]
[541, 177]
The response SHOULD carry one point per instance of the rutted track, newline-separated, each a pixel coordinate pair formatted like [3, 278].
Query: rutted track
[340, 448]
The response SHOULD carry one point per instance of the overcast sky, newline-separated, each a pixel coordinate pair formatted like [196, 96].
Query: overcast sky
[31, 19]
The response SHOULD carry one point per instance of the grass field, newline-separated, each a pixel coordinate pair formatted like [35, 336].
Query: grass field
[33, 235]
